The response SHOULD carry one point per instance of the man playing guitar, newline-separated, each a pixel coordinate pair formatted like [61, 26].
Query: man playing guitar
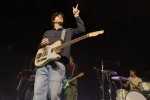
[49, 78]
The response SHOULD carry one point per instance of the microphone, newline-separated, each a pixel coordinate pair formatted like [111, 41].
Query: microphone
[96, 69]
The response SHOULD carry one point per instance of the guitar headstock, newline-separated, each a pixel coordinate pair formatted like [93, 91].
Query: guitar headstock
[92, 34]
[81, 74]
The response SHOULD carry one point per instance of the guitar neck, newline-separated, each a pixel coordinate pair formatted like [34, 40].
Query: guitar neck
[73, 79]
[72, 41]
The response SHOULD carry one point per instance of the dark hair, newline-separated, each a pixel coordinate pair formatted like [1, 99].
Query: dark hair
[54, 15]
[132, 69]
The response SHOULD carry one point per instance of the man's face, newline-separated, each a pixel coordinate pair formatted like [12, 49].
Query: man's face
[58, 19]
[132, 73]
[70, 59]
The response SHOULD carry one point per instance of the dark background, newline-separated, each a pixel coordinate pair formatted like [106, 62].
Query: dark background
[125, 39]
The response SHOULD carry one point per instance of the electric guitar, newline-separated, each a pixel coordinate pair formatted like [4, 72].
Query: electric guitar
[50, 52]
[70, 80]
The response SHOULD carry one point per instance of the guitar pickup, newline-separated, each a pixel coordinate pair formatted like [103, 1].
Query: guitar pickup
[42, 59]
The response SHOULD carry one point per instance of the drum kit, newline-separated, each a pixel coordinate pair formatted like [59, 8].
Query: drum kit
[143, 92]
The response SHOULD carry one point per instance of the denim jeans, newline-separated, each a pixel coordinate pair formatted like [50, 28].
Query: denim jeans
[49, 82]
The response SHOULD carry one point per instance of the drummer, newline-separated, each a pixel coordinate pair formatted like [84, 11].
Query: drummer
[133, 81]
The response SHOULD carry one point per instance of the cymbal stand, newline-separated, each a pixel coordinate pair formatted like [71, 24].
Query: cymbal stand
[110, 96]
[122, 98]
[102, 85]
[121, 84]
[97, 70]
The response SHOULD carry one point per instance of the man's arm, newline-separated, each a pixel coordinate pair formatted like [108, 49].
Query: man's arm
[126, 84]
[80, 24]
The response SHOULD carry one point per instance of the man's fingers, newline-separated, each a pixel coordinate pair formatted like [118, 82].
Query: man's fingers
[77, 5]
[45, 40]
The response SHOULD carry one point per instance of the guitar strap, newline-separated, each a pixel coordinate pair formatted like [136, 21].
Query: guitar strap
[63, 35]
[72, 73]
[73, 70]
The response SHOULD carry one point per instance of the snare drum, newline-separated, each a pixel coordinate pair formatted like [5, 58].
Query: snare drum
[144, 86]
[135, 95]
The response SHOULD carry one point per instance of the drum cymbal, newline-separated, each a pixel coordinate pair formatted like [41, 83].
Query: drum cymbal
[109, 72]
[119, 78]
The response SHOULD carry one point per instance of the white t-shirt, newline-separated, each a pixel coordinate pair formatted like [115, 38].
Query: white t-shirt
[134, 82]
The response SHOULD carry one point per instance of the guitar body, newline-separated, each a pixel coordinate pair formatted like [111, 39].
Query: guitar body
[72, 79]
[47, 54]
